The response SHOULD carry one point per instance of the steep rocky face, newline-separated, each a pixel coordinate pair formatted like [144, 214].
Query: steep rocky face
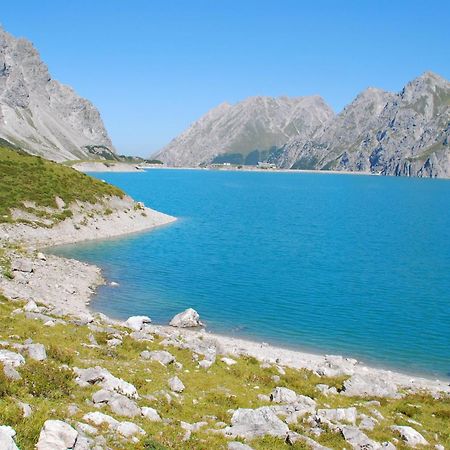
[380, 132]
[41, 115]
[246, 132]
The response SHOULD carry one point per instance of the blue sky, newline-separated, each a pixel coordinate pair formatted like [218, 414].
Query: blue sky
[153, 67]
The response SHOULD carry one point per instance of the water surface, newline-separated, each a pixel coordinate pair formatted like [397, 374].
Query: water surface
[350, 265]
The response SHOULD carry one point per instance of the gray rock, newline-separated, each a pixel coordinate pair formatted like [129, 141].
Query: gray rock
[369, 385]
[228, 361]
[238, 446]
[186, 319]
[283, 395]
[46, 117]
[56, 435]
[7, 435]
[367, 423]
[251, 423]
[11, 373]
[26, 409]
[137, 323]
[358, 440]
[141, 336]
[98, 418]
[31, 306]
[338, 415]
[150, 414]
[36, 352]
[410, 436]
[129, 429]
[21, 264]
[123, 406]
[292, 438]
[10, 358]
[160, 356]
[176, 385]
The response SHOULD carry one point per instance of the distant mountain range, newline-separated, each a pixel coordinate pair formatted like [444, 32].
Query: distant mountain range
[42, 116]
[405, 133]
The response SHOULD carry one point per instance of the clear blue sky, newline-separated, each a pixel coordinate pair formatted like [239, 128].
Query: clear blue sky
[153, 67]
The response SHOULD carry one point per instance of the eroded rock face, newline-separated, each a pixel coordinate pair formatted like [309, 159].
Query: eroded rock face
[41, 115]
[251, 423]
[57, 435]
[186, 319]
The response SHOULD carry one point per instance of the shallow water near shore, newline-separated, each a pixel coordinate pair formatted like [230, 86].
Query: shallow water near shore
[351, 265]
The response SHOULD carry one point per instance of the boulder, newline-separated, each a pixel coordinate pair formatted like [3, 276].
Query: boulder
[369, 385]
[98, 375]
[238, 446]
[22, 265]
[56, 435]
[292, 438]
[186, 319]
[98, 418]
[358, 440]
[160, 356]
[228, 361]
[7, 435]
[410, 436]
[137, 323]
[283, 395]
[252, 423]
[150, 414]
[31, 306]
[13, 359]
[36, 352]
[338, 415]
[176, 385]
[128, 429]
[123, 406]
[11, 373]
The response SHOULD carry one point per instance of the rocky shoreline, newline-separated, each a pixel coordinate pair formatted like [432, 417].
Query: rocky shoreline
[66, 286]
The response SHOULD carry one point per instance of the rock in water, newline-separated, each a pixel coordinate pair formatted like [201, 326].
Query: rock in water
[186, 319]
[41, 115]
[56, 435]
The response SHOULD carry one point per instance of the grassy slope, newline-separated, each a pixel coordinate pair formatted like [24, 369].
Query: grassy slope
[50, 389]
[31, 178]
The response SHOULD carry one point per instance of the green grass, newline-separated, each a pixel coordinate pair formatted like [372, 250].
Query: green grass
[30, 178]
[49, 388]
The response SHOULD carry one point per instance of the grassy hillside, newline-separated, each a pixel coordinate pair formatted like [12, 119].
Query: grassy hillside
[49, 388]
[25, 178]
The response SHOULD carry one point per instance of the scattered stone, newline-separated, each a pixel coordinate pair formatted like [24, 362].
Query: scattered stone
[56, 435]
[283, 395]
[31, 306]
[123, 406]
[326, 390]
[114, 342]
[141, 336]
[85, 428]
[7, 435]
[186, 319]
[335, 366]
[251, 423]
[205, 364]
[137, 323]
[358, 440]
[238, 446]
[367, 423]
[338, 415]
[292, 438]
[150, 414]
[176, 385]
[36, 352]
[228, 361]
[22, 265]
[411, 437]
[26, 409]
[161, 356]
[369, 385]
[11, 373]
[129, 429]
[98, 418]
[41, 256]
[10, 358]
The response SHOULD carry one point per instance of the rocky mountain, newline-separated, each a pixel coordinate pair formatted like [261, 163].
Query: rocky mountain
[407, 133]
[42, 116]
[246, 132]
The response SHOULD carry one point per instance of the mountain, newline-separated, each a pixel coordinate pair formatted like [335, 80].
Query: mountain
[246, 132]
[42, 116]
[407, 133]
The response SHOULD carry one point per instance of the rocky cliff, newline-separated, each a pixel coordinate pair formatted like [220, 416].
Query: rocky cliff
[380, 132]
[246, 132]
[41, 115]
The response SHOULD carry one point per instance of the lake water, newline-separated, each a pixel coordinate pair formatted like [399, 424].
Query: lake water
[351, 265]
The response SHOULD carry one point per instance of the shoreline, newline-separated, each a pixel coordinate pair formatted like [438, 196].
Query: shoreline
[69, 285]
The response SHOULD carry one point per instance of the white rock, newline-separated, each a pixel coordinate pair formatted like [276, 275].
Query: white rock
[283, 395]
[11, 373]
[338, 415]
[186, 319]
[129, 429]
[56, 435]
[176, 385]
[358, 440]
[238, 446]
[161, 356]
[98, 418]
[123, 406]
[11, 358]
[26, 409]
[251, 423]
[228, 361]
[41, 256]
[137, 323]
[150, 414]
[36, 352]
[369, 385]
[31, 306]
[7, 438]
[411, 437]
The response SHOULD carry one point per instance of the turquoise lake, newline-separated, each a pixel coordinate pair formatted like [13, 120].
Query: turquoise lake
[351, 265]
